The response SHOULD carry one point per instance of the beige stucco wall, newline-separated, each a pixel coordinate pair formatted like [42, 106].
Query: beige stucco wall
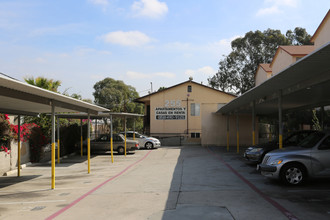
[282, 61]
[176, 97]
[261, 76]
[214, 128]
[9, 161]
[323, 36]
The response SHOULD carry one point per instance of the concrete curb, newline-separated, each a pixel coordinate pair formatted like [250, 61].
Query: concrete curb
[14, 172]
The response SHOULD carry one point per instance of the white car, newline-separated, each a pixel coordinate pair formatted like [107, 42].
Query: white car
[144, 141]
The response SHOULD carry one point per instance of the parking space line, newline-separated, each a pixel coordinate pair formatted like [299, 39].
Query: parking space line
[287, 213]
[96, 188]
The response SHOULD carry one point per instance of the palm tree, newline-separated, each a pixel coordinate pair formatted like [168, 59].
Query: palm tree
[44, 83]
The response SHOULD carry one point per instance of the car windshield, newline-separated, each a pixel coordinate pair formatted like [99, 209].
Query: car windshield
[311, 140]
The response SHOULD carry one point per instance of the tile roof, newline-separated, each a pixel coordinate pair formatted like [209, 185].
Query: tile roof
[298, 50]
[266, 67]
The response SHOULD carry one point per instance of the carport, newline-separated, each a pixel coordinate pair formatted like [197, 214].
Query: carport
[18, 98]
[303, 85]
[100, 115]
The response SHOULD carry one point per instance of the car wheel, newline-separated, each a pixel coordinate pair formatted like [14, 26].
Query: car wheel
[121, 150]
[149, 145]
[293, 174]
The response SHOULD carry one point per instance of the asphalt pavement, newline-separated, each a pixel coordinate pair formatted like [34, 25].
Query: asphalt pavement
[169, 183]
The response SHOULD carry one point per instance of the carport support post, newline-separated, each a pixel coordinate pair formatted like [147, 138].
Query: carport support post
[280, 127]
[125, 136]
[253, 123]
[133, 128]
[237, 126]
[19, 145]
[81, 138]
[58, 140]
[89, 143]
[96, 128]
[227, 132]
[53, 146]
[111, 139]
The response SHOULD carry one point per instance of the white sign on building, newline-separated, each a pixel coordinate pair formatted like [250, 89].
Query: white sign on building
[176, 113]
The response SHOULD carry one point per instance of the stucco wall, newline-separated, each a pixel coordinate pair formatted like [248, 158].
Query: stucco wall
[9, 161]
[261, 76]
[282, 61]
[323, 36]
[176, 97]
[214, 128]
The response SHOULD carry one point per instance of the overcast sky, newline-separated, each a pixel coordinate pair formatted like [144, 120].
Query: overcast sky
[81, 42]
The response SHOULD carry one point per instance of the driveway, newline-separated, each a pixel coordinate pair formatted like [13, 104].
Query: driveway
[189, 182]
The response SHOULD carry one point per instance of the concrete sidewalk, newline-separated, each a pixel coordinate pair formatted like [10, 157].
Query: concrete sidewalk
[188, 182]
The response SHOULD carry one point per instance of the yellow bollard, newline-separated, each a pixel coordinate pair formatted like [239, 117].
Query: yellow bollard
[125, 144]
[280, 142]
[89, 154]
[111, 148]
[19, 157]
[53, 165]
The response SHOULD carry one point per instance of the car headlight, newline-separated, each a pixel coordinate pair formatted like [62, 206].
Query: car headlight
[276, 162]
[257, 150]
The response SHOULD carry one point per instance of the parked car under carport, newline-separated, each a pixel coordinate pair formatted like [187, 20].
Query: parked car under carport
[102, 143]
[257, 152]
[295, 164]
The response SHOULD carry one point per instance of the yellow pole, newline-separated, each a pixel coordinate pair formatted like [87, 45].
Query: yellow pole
[88, 145]
[53, 165]
[53, 147]
[125, 144]
[111, 145]
[19, 146]
[111, 139]
[281, 142]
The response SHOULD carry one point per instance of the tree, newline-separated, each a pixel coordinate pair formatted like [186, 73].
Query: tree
[299, 36]
[44, 83]
[161, 88]
[237, 69]
[118, 97]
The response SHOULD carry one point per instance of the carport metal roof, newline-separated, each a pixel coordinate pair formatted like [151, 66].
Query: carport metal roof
[20, 98]
[304, 84]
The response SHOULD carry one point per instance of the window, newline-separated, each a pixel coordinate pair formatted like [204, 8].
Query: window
[194, 109]
[189, 88]
[195, 135]
[325, 144]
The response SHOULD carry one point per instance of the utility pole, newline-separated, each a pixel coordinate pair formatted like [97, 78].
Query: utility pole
[187, 100]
